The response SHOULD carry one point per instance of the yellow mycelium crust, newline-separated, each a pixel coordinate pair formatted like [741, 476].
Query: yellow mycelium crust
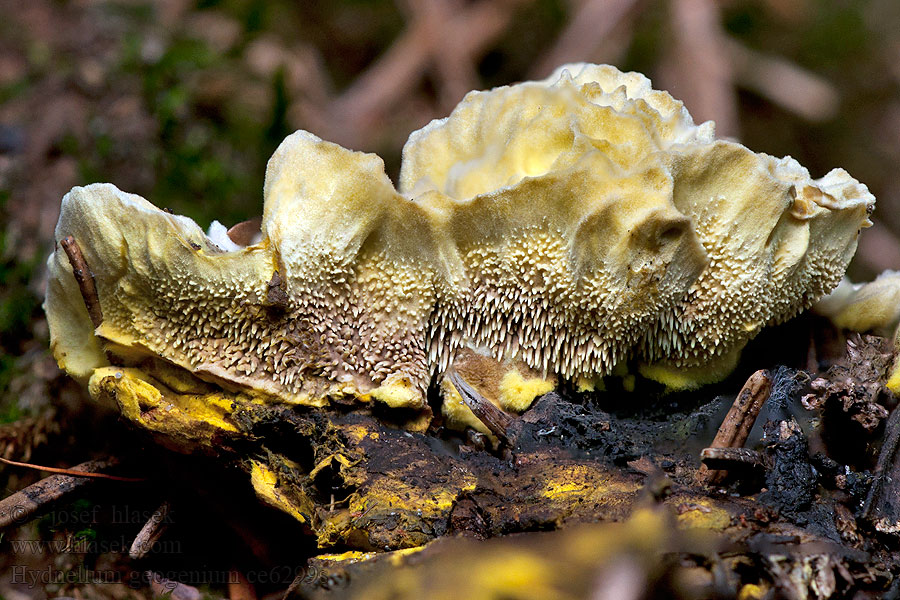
[509, 385]
[569, 224]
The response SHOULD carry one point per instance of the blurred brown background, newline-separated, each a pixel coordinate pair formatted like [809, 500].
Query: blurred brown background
[182, 101]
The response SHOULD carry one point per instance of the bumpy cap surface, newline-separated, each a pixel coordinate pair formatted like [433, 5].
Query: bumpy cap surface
[570, 224]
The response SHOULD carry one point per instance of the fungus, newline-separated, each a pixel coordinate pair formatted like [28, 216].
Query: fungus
[873, 306]
[565, 225]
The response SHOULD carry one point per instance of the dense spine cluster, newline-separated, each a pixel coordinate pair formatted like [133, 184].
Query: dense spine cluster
[570, 224]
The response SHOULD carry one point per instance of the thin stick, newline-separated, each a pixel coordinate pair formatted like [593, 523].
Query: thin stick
[590, 28]
[85, 279]
[493, 418]
[735, 428]
[699, 64]
[24, 505]
[723, 458]
[74, 472]
[150, 533]
[784, 83]
[389, 79]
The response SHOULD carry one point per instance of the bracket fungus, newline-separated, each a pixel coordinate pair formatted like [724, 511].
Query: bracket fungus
[565, 226]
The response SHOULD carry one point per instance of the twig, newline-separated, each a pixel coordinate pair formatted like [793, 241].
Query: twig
[493, 418]
[389, 79]
[73, 472]
[593, 24]
[150, 533]
[800, 91]
[720, 459]
[735, 429]
[85, 279]
[453, 66]
[699, 69]
[22, 506]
